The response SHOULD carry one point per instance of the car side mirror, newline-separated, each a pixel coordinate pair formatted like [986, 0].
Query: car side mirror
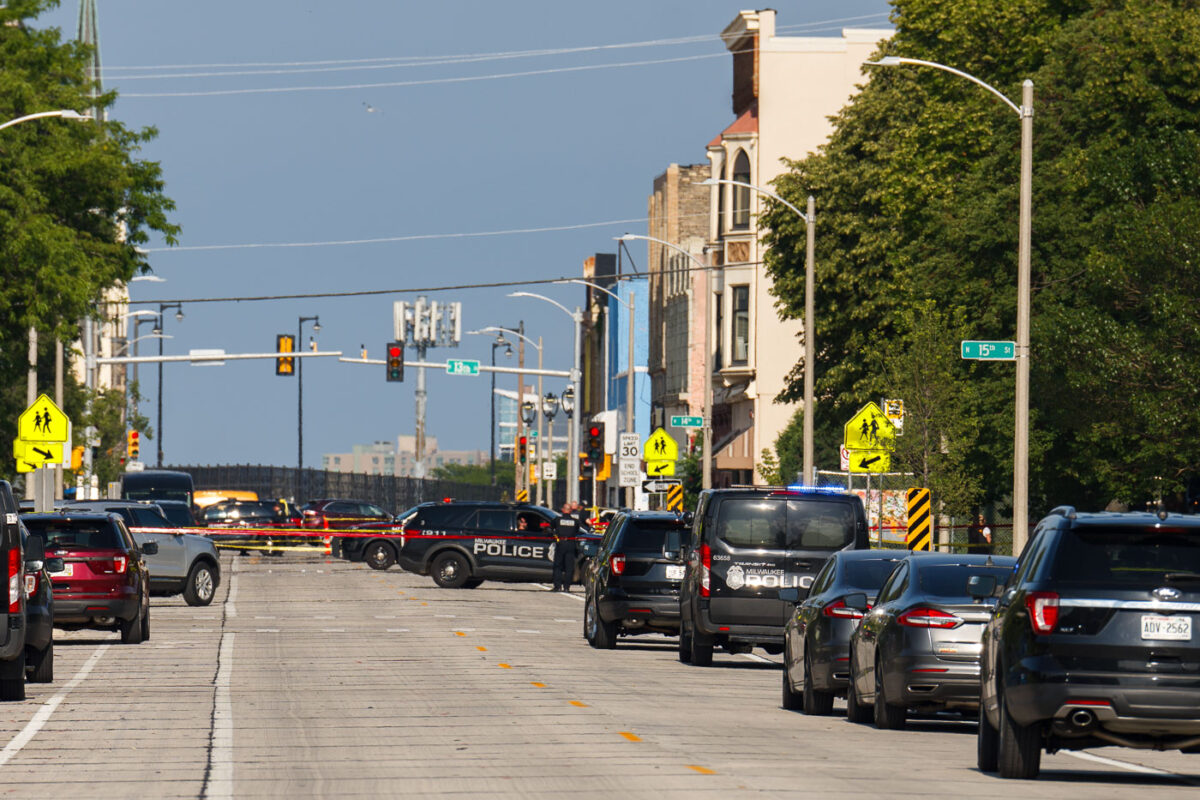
[981, 586]
[672, 546]
[857, 601]
[790, 595]
[150, 548]
[55, 564]
[35, 549]
[689, 517]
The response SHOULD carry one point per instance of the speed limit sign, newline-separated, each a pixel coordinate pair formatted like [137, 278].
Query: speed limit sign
[630, 447]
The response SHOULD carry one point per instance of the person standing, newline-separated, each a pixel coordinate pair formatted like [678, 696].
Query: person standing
[566, 528]
[979, 536]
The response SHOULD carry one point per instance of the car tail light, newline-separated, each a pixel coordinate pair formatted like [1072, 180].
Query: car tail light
[617, 562]
[119, 564]
[928, 618]
[14, 580]
[839, 609]
[1043, 611]
[31, 584]
[705, 570]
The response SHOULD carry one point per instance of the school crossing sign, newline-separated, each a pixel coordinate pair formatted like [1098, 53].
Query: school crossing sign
[870, 437]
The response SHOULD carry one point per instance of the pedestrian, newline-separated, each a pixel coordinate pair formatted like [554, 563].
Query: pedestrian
[979, 536]
[566, 528]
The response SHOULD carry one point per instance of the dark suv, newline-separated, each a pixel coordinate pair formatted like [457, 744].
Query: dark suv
[12, 637]
[632, 586]
[747, 544]
[1094, 641]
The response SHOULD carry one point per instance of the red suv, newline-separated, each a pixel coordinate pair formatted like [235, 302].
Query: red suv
[341, 514]
[105, 584]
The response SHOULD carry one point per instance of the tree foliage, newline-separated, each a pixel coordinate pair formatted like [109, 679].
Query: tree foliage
[917, 193]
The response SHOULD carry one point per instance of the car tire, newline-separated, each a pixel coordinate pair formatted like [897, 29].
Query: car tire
[685, 645]
[888, 717]
[987, 746]
[474, 583]
[606, 632]
[791, 699]
[201, 586]
[1019, 747]
[131, 630]
[855, 710]
[702, 652]
[589, 622]
[146, 626]
[450, 570]
[816, 703]
[41, 666]
[379, 555]
[12, 678]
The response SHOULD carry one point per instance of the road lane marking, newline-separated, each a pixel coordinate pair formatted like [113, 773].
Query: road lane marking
[329, 616]
[511, 619]
[702, 770]
[446, 616]
[1112, 762]
[265, 617]
[44, 713]
[266, 630]
[481, 648]
[504, 666]
[333, 630]
[397, 630]
[755, 657]
[572, 621]
[538, 685]
[218, 780]
[631, 736]
[385, 616]
[522, 630]
[578, 704]
[459, 633]
[230, 610]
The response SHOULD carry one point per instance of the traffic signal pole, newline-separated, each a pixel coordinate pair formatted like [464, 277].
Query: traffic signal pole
[519, 476]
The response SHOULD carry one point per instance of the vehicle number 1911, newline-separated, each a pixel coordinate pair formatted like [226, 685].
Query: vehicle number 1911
[1175, 629]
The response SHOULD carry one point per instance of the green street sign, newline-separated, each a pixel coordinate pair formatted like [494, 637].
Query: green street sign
[458, 366]
[989, 351]
[687, 422]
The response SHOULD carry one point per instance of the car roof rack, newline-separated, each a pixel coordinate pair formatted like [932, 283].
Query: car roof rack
[1064, 511]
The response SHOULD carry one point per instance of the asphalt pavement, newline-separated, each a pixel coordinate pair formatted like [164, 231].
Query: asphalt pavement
[314, 678]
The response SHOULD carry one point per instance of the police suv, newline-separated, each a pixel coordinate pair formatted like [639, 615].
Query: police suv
[460, 544]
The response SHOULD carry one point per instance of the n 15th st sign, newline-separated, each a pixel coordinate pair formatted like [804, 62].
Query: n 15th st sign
[989, 351]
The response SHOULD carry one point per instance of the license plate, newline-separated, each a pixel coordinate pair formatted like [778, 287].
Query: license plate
[1175, 629]
[674, 572]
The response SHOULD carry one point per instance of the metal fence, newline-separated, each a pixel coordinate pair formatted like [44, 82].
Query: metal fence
[299, 486]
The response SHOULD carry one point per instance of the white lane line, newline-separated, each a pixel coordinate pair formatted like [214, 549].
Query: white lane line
[572, 621]
[520, 630]
[230, 608]
[330, 616]
[333, 630]
[219, 781]
[578, 597]
[1112, 762]
[755, 657]
[446, 616]
[511, 619]
[266, 630]
[43, 714]
[397, 630]
[385, 616]
[264, 617]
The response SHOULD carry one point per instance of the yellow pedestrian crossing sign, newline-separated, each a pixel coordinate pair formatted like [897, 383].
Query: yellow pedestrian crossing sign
[660, 446]
[32, 455]
[869, 429]
[43, 422]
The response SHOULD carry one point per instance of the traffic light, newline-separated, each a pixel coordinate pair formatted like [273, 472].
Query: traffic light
[285, 343]
[522, 449]
[595, 442]
[586, 466]
[395, 362]
[132, 445]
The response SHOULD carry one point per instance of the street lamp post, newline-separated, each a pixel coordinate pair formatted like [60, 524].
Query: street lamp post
[162, 307]
[1024, 269]
[810, 223]
[499, 341]
[316, 321]
[549, 411]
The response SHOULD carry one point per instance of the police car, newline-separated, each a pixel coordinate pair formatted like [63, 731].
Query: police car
[461, 544]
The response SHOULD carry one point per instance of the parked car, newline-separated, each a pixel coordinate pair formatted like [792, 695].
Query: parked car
[157, 484]
[746, 545]
[340, 514]
[104, 584]
[39, 609]
[178, 513]
[270, 518]
[1094, 641]
[816, 651]
[182, 563]
[632, 585]
[376, 543]
[12, 554]
[919, 645]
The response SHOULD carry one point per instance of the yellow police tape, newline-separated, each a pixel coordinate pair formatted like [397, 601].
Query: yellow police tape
[274, 548]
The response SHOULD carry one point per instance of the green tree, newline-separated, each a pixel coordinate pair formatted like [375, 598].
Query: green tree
[475, 474]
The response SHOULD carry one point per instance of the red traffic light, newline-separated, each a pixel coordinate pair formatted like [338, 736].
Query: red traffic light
[593, 431]
[394, 352]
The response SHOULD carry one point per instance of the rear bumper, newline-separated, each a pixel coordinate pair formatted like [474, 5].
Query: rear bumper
[653, 611]
[81, 611]
[739, 634]
[12, 638]
[830, 666]
[928, 680]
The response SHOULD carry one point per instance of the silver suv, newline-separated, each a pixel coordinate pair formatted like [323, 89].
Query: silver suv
[186, 563]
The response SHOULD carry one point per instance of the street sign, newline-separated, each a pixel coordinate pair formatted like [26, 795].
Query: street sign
[869, 429]
[870, 460]
[894, 411]
[660, 446]
[657, 485]
[629, 472]
[43, 422]
[550, 470]
[38, 454]
[629, 448]
[206, 357]
[843, 458]
[687, 422]
[675, 499]
[989, 351]
[660, 469]
[459, 366]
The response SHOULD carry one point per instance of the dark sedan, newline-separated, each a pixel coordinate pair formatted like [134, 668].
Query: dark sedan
[919, 646]
[816, 647]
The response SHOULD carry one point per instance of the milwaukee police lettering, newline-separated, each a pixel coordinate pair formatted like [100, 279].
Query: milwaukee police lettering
[753, 576]
[503, 547]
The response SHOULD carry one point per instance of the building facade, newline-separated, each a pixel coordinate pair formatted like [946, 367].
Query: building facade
[386, 458]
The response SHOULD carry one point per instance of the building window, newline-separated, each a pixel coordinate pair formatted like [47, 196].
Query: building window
[741, 324]
[719, 305]
[741, 194]
[721, 223]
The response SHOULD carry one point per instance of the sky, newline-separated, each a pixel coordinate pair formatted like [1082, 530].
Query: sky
[461, 140]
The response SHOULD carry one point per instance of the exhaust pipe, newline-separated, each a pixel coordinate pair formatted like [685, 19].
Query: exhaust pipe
[1082, 718]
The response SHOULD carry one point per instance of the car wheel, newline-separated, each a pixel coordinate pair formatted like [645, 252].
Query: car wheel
[146, 625]
[606, 632]
[589, 623]
[888, 717]
[474, 583]
[855, 711]
[131, 630]
[379, 555]
[816, 703]
[685, 645]
[201, 586]
[42, 665]
[12, 678]
[987, 757]
[702, 652]
[450, 570]
[791, 700]
[1019, 750]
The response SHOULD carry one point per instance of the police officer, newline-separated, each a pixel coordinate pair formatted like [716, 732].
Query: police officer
[566, 528]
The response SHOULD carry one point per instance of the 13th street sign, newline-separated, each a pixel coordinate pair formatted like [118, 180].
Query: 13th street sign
[989, 351]
[458, 366]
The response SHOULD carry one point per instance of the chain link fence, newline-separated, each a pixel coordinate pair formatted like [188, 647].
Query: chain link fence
[302, 485]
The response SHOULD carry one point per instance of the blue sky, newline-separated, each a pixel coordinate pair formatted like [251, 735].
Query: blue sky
[567, 147]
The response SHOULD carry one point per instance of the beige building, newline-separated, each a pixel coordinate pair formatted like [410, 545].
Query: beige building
[385, 458]
[785, 89]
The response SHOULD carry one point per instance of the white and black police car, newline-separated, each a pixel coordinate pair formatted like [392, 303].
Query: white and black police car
[462, 543]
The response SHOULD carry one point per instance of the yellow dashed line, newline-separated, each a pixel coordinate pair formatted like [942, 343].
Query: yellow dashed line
[539, 685]
[578, 704]
[504, 666]
[633, 737]
[459, 633]
[481, 648]
[702, 770]
[424, 604]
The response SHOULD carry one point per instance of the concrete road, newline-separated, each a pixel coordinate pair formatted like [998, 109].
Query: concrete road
[308, 678]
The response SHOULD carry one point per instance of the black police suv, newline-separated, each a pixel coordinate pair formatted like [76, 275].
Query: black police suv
[460, 544]
[39, 609]
[12, 637]
[632, 585]
[816, 651]
[1094, 641]
[747, 544]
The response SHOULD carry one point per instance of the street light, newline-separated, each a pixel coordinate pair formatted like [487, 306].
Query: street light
[810, 335]
[572, 432]
[549, 411]
[499, 341]
[316, 321]
[64, 113]
[1024, 246]
[158, 329]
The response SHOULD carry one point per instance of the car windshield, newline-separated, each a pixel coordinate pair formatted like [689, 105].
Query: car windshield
[178, 515]
[950, 580]
[84, 535]
[1136, 556]
[868, 574]
[647, 536]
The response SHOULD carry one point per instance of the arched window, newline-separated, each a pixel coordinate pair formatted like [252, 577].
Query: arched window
[741, 195]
